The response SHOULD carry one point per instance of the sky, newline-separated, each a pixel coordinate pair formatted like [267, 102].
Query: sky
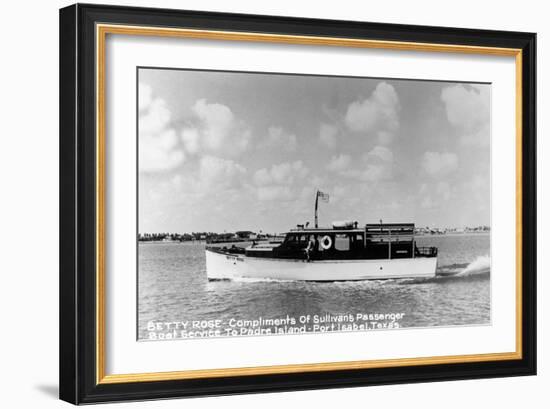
[227, 151]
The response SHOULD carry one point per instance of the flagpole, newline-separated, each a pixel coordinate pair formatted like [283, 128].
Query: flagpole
[316, 205]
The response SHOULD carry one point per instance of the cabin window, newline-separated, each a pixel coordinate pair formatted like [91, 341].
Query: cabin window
[342, 242]
[357, 241]
[296, 240]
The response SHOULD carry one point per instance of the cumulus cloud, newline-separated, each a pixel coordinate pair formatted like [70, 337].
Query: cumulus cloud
[339, 163]
[378, 163]
[439, 164]
[284, 173]
[215, 130]
[218, 172]
[278, 138]
[191, 140]
[434, 195]
[381, 153]
[468, 109]
[476, 190]
[376, 166]
[384, 137]
[378, 113]
[270, 193]
[145, 96]
[158, 141]
[262, 177]
[206, 179]
[278, 182]
[443, 190]
[327, 135]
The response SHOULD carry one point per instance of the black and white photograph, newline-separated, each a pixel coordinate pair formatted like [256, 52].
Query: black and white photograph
[278, 204]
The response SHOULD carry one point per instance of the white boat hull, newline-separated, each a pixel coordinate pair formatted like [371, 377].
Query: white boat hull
[221, 266]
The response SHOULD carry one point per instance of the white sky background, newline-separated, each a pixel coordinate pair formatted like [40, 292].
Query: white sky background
[223, 151]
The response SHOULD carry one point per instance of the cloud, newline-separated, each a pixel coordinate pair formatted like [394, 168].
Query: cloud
[477, 190]
[219, 172]
[215, 130]
[433, 196]
[377, 165]
[262, 177]
[158, 142]
[427, 203]
[208, 182]
[339, 163]
[327, 135]
[191, 140]
[158, 153]
[280, 193]
[217, 121]
[145, 96]
[443, 190]
[381, 153]
[278, 138]
[377, 113]
[439, 164]
[468, 110]
[279, 181]
[284, 173]
[384, 137]
[376, 116]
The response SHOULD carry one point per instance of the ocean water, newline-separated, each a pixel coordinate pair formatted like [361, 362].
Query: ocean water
[174, 294]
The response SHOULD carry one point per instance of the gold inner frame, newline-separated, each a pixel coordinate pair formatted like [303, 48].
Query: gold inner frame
[101, 33]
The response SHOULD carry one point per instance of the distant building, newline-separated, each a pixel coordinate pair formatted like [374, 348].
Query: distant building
[245, 235]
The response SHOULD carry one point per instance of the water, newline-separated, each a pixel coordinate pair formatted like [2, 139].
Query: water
[173, 287]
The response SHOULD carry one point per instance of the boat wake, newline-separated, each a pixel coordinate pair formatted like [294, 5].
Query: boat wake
[481, 265]
[480, 268]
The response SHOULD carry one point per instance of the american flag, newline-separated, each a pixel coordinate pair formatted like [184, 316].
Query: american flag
[323, 196]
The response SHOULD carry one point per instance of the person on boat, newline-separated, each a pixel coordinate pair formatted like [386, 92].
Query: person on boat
[312, 246]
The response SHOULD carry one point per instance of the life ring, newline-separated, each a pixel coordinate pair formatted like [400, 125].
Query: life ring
[326, 242]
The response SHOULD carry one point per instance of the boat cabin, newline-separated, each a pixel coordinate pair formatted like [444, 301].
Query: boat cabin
[373, 241]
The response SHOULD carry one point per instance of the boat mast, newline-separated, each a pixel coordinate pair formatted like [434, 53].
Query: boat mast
[316, 206]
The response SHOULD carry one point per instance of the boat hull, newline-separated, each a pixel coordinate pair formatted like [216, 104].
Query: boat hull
[226, 266]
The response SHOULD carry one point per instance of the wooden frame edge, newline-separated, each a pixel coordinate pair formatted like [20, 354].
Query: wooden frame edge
[304, 368]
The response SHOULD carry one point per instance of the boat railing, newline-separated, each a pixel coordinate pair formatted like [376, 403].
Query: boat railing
[426, 251]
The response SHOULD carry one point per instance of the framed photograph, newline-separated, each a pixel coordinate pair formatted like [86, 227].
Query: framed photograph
[257, 203]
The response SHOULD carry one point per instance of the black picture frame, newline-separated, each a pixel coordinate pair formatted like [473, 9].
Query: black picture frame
[78, 216]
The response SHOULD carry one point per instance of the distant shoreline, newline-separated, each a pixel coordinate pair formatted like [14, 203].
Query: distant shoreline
[418, 235]
[470, 233]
